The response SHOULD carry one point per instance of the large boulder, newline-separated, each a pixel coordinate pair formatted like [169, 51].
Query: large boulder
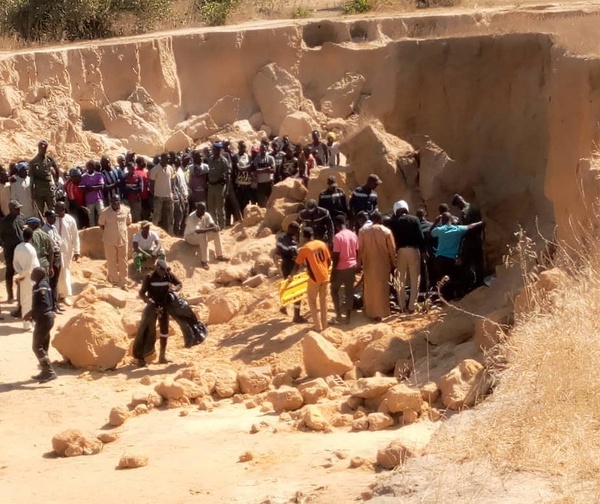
[277, 211]
[233, 273]
[539, 292]
[290, 189]
[321, 358]
[225, 111]
[298, 127]
[93, 338]
[314, 390]
[314, 419]
[341, 97]
[254, 380]
[372, 150]
[401, 398]
[277, 93]
[492, 329]
[463, 386]
[455, 327]
[178, 141]
[253, 215]
[363, 336]
[198, 127]
[380, 356]
[91, 243]
[318, 180]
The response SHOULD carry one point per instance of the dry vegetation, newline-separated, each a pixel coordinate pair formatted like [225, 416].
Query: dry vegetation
[542, 417]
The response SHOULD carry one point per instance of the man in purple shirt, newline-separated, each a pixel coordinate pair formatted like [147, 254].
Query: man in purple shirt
[92, 183]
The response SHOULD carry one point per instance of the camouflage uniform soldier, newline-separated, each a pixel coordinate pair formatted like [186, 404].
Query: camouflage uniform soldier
[43, 171]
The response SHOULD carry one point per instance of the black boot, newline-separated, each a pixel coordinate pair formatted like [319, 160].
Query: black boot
[298, 319]
[47, 373]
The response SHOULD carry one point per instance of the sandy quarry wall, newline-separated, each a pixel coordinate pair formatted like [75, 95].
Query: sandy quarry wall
[515, 111]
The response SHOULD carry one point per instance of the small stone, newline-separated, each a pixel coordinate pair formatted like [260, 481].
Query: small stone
[251, 403]
[356, 462]
[141, 409]
[266, 407]
[108, 437]
[206, 404]
[132, 461]
[184, 412]
[246, 456]
[341, 455]
[409, 417]
[237, 399]
[430, 392]
[255, 428]
[379, 421]
[146, 380]
[285, 417]
[118, 415]
[360, 424]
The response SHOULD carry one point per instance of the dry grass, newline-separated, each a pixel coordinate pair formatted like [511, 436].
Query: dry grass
[543, 416]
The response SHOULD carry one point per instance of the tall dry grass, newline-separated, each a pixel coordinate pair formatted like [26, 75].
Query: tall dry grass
[544, 415]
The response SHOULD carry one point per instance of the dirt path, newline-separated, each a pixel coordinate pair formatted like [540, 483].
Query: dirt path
[192, 458]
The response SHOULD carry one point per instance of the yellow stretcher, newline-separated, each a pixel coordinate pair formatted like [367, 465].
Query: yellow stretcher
[293, 289]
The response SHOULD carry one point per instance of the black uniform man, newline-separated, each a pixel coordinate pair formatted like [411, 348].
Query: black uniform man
[155, 289]
[41, 313]
[11, 234]
[364, 198]
[319, 220]
[287, 249]
[333, 199]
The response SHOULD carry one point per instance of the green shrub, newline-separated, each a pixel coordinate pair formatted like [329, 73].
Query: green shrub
[358, 6]
[301, 12]
[215, 12]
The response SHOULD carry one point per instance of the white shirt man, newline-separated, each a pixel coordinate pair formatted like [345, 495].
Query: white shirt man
[25, 260]
[20, 190]
[70, 248]
[200, 227]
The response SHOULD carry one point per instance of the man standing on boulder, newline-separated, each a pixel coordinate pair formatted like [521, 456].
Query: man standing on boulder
[219, 169]
[114, 221]
[44, 174]
[315, 256]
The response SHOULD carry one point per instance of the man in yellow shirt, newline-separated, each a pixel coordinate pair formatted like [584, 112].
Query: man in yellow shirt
[315, 256]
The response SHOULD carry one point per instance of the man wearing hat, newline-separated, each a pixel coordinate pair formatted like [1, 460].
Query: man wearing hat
[333, 150]
[319, 220]
[50, 228]
[219, 169]
[146, 245]
[155, 289]
[333, 199]
[11, 234]
[44, 174]
[160, 179]
[410, 251]
[364, 198]
[42, 244]
[20, 190]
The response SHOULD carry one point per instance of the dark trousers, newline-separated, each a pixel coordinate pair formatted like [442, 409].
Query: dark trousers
[9, 254]
[146, 209]
[343, 278]
[41, 338]
[54, 280]
[179, 217]
[245, 195]
[263, 191]
[163, 322]
[232, 206]
[444, 266]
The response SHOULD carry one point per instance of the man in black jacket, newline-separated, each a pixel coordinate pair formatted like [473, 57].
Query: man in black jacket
[287, 249]
[319, 220]
[155, 289]
[11, 234]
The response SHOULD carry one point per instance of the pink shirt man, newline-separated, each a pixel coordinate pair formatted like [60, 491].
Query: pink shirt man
[345, 242]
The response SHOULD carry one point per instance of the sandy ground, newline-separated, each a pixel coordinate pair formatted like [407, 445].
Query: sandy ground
[191, 459]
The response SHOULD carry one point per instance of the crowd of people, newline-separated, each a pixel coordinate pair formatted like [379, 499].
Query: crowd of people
[196, 193]
[401, 257]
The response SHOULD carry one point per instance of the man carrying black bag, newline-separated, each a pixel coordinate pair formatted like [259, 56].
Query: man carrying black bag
[158, 291]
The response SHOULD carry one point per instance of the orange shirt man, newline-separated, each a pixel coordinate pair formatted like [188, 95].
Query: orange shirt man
[315, 256]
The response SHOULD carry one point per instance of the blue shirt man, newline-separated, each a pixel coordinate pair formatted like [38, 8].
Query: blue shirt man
[449, 237]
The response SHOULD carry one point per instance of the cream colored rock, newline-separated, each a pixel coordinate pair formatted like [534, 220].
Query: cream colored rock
[10, 101]
[141, 409]
[178, 141]
[130, 321]
[223, 307]
[73, 442]
[170, 389]
[225, 111]
[313, 418]
[108, 437]
[360, 424]
[254, 281]
[298, 127]
[369, 388]
[379, 421]
[253, 381]
[321, 358]
[463, 386]
[455, 328]
[537, 294]
[285, 399]
[289, 189]
[227, 383]
[191, 389]
[287, 220]
[494, 328]
[401, 397]
[118, 415]
[253, 215]
[277, 212]
[341, 420]
[409, 417]
[314, 390]
[380, 356]
[93, 338]
[233, 273]
[132, 461]
[361, 338]
[198, 127]
[277, 93]
[430, 392]
[262, 264]
[341, 97]
[411, 441]
[113, 296]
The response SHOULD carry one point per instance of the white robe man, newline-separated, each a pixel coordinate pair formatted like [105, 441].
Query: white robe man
[20, 190]
[199, 229]
[70, 248]
[25, 260]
